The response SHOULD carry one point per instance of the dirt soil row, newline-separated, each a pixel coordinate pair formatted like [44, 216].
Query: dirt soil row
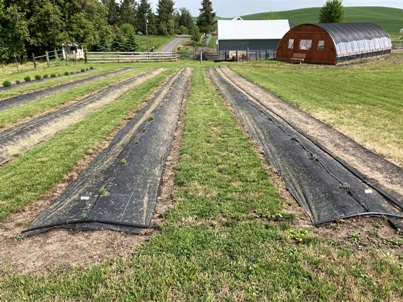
[18, 139]
[41, 94]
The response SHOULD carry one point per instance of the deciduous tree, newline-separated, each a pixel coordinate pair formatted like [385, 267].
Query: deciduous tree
[332, 12]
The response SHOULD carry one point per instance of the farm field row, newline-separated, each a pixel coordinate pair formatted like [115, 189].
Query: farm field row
[363, 101]
[230, 231]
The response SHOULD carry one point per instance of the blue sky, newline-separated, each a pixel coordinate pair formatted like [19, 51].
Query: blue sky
[233, 8]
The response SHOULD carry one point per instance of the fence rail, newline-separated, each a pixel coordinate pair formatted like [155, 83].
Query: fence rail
[120, 57]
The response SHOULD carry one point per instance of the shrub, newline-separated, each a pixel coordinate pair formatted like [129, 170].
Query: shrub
[38, 77]
[82, 69]
[91, 67]
[53, 75]
[6, 83]
[45, 76]
[17, 81]
[27, 79]
[66, 73]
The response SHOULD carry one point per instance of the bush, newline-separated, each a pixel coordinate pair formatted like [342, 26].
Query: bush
[82, 69]
[66, 73]
[17, 81]
[53, 75]
[38, 77]
[45, 76]
[6, 83]
[27, 79]
[91, 67]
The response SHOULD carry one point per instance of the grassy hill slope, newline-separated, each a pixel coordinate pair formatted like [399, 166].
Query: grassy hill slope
[391, 19]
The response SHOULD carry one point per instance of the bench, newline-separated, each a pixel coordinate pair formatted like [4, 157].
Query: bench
[298, 57]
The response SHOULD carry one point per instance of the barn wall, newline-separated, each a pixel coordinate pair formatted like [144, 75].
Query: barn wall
[314, 55]
[228, 45]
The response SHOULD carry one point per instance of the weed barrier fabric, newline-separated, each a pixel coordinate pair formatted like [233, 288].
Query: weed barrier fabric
[320, 184]
[118, 190]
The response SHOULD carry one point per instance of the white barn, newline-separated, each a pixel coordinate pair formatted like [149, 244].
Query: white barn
[241, 35]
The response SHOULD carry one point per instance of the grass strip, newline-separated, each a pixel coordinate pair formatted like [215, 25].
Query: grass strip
[225, 240]
[13, 115]
[60, 78]
[35, 172]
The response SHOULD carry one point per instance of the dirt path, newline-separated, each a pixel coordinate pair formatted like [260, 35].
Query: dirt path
[372, 167]
[40, 94]
[18, 139]
[65, 248]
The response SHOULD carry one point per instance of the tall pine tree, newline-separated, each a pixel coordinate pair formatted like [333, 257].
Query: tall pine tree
[144, 13]
[165, 17]
[205, 21]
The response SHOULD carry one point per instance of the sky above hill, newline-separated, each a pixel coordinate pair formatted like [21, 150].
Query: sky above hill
[234, 8]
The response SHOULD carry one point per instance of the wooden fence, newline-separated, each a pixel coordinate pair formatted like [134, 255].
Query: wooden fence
[121, 57]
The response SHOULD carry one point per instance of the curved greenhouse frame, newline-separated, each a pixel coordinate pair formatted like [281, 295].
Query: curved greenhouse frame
[334, 43]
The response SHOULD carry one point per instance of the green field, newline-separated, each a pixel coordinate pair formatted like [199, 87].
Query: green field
[389, 18]
[231, 234]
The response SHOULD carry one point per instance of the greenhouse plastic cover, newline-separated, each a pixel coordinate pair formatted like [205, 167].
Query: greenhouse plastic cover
[355, 38]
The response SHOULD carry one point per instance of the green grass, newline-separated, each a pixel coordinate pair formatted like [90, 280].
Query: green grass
[157, 41]
[10, 71]
[30, 109]
[35, 172]
[51, 82]
[223, 241]
[389, 18]
[361, 100]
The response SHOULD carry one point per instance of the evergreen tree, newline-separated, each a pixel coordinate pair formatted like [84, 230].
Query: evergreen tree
[113, 11]
[165, 17]
[143, 10]
[332, 12]
[185, 22]
[205, 21]
[128, 12]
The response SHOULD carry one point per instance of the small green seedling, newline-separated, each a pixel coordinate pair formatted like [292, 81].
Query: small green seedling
[123, 162]
[102, 191]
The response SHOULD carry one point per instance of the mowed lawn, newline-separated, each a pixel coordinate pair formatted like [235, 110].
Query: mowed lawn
[362, 100]
[231, 236]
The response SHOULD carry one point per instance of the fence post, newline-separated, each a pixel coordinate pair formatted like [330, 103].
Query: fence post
[47, 58]
[33, 59]
[16, 63]
[85, 56]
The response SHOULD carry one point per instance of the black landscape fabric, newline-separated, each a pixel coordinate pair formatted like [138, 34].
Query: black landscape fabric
[321, 185]
[118, 190]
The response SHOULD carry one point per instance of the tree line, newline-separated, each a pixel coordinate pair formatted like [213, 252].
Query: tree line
[32, 26]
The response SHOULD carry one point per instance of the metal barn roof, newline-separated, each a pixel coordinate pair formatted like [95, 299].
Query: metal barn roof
[252, 29]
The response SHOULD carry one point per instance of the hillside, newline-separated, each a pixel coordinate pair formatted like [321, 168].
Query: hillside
[389, 18]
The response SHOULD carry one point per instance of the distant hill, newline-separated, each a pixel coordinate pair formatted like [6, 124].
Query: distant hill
[391, 19]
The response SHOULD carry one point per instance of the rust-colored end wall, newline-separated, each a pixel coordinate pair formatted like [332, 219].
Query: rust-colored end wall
[314, 55]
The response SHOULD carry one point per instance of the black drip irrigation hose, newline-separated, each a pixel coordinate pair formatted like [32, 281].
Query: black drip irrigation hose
[79, 221]
[369, 214]
[341, 162]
